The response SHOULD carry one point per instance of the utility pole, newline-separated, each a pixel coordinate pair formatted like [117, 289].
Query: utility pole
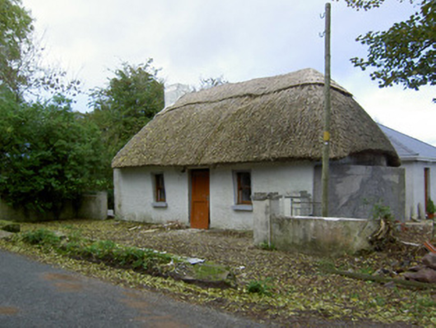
[327, 110]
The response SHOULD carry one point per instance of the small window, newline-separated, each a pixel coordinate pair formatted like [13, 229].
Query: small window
[243, 182]
[159, 188]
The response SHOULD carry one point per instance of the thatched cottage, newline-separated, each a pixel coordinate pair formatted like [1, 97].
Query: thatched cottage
[200, 160]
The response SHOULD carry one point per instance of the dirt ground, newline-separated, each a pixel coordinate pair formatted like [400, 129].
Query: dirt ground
[297, 291]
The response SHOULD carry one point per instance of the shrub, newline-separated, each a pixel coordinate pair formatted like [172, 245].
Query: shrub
[431, 208]
[48, 154]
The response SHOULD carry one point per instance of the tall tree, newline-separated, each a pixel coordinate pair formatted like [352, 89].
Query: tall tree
[405, 54]
[131, 99]
[15, 42]
[21, 68]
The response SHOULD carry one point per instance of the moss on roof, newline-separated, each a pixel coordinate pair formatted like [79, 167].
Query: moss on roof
[268, 119]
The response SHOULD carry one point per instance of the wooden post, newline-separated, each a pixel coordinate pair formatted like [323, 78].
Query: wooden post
[327, 109]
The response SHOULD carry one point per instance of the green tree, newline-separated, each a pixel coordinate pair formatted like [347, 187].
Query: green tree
[21, 70]
[48, 153]
[15, 41]
[405, 54]
[130, 100]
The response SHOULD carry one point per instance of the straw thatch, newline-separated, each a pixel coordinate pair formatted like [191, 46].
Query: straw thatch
[269, 119]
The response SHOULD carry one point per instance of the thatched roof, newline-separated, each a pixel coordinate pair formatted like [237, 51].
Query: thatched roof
[269, 119]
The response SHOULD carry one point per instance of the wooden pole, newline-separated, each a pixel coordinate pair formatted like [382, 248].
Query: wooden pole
[327, 110]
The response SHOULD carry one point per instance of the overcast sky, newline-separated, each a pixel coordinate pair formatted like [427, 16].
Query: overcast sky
[237, 39]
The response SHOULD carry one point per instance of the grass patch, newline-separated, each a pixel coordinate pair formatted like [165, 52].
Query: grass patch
[141, 260]
[105, 251]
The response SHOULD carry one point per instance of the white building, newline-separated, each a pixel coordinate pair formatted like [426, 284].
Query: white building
[419, 161]
[200, 160]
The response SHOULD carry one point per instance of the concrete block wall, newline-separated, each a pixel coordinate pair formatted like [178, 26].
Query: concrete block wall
[329, 236]
[355, 190]
[318, 235]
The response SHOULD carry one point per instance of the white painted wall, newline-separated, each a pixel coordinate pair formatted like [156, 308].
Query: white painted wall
[222, 198]
[415, 192]
[134, 195]
[283, 178]
[134, 192]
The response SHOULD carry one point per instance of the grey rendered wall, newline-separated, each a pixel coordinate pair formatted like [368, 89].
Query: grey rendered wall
[354, 190]
[91, 206]
[330, 236]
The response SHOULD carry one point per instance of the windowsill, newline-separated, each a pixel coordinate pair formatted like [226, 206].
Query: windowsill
[160, 204]
[241, 207]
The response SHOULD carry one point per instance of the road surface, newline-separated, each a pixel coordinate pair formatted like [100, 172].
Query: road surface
[33, 294]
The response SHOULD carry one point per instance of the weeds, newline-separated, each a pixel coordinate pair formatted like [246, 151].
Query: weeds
[259, 287]
[41, 237]
[99, 251]
[267, 246]
[326, 265]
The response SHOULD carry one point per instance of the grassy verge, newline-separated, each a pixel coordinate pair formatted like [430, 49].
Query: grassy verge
[145, 261]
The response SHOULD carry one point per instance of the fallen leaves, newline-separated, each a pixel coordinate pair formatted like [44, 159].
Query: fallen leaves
[299, 286]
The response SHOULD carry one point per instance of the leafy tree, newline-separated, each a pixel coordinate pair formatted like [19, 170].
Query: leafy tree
[404, 54]
[20, 56]
[48, 153]
[130, 100]
[15, 41]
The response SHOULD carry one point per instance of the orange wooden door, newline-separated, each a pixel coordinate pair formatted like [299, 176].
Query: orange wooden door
[200, 199]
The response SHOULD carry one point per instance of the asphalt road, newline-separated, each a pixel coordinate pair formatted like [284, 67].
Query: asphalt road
[39, 295]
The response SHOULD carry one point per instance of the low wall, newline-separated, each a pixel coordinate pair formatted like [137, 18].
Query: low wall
[91, 206]
[308, 234]
[330, 236]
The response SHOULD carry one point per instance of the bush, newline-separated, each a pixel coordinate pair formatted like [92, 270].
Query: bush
[48, 154]
[431, 208]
